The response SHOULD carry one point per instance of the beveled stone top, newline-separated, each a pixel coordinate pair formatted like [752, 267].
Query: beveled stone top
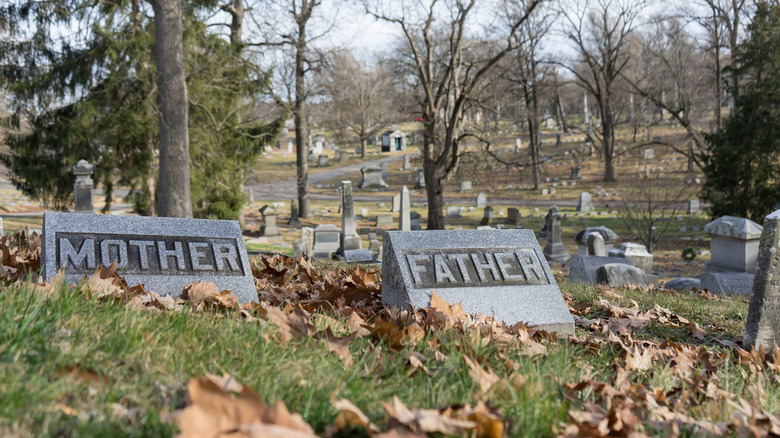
[734, 227]
[608, 235]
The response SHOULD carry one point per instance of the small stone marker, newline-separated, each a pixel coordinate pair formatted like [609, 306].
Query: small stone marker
[554, 249]
[83, 187]
[693, 206]
[322, 161]
[358, 256]
[396, 203]
[495, 272]
[453, 212]
[372, 178]
[487, 216]
[269, 228]
[326, 240]
[465, 186]
[763, 320]
[349, 236]
[385, 170]
[415, 221]
[294, 221]
[584, 267]
[636, 254]
[481, 200]
[618, 274]
[165, 254]
[420, 179]
[586, 202]
[384, 220]
[513, 216]
[404, 218]
[610, 237]
[406, 164]
[596, 245]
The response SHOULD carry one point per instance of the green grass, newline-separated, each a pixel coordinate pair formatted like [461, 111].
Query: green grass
[71, 351]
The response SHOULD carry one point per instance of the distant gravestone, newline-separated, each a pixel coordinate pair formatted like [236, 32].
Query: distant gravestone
[481, 200]
[349, 236]
[384, 220]
[575, 173]
[513, 216]
[385, 170]
[596, 245]
[415, 221]
[618, 274]
[164, 254]
[83, 187]
[404, 218]
[494, 272]
[487, 216]
[586, 202]
[453, 212]
[649, 153]
[307, 241]
[583, 268]
[322, 161]
[693, 206]
[420, 179]
[610, 237]
[326, 240]
[763, 320]
[269, 228]
[358, 256]
[554, 249]
[396, 203]
[372, 178]
[407, 163]
[636, 254]
[294, 221]
[465, 186]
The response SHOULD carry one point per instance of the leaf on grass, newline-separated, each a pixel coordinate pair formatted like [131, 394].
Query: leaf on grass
[485, 378]
[79, 373]
[696, 331]
[339, 346]
[425, 420]
[351, 415]
[415, 360]
[214, 413]
[638, 358]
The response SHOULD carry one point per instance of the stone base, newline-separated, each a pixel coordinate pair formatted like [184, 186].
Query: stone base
[270, 231]
[728, 283]
[556, 252]
[620, 274]
[583, 268]
[683, 283]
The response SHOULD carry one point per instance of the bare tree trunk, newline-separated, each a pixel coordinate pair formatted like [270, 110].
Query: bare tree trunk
[300, 125]
[173, 189]
[609, 141]
[362, 147]
[533, 149]
[718, 89]
[435, 191]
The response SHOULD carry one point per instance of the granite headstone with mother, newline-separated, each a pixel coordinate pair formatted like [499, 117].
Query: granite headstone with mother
[500, 273]
[164, 254]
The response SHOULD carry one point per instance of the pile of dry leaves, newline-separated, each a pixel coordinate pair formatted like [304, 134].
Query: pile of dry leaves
[345, 304]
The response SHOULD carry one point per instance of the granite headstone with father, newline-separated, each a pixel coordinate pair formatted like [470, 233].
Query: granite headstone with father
[500, 273]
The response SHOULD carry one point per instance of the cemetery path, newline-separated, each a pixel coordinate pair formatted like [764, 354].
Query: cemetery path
[287, 189]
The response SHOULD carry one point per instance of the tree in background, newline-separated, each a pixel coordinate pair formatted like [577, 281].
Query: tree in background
[741, 161]
[447, 68]
[96, 99]
[358, 96]
[648, 206]
[599, 31]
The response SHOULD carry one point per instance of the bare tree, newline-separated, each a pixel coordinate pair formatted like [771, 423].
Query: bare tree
[671, 63]
[357, 94]
[648, 206]
[298, 38]
[447, 68]
[528, 72]
[599, 31]
[173, 192]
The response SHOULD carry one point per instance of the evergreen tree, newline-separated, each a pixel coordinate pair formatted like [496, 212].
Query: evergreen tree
[92, 95]
[742, 163]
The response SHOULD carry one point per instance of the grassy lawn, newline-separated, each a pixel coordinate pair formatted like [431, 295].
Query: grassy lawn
[74, 364]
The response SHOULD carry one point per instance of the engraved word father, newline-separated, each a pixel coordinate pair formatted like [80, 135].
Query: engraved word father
[474, 267]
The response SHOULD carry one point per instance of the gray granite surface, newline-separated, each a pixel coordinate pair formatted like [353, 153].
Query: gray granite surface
[728, 283]
[583, 267]
[620, 274]
[165, 254]
[495, 272]
[763, 321]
